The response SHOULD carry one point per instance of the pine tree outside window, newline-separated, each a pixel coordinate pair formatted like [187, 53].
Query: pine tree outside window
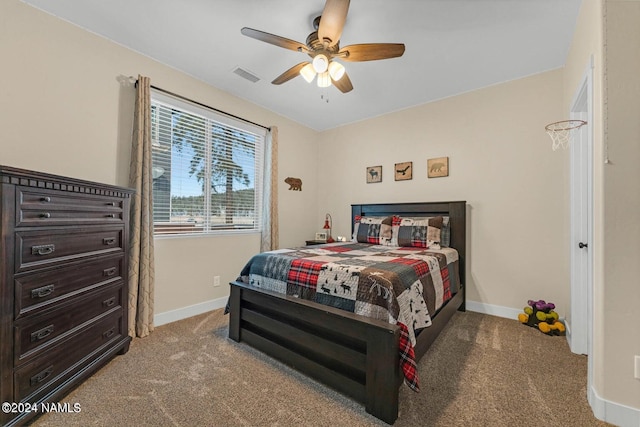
[207, 170]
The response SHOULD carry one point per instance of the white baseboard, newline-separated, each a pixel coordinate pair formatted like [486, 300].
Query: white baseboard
[501, 311]
[493, 310]
[193, 310]
[189, 311]
[567, 325]
[612, 412]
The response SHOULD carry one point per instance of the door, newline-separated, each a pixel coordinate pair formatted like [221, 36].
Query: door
[581, 234]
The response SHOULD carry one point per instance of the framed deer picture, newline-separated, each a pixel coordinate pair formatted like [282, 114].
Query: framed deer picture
[374, 174]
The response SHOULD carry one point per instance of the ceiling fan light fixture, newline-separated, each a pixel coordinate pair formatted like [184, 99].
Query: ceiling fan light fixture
[336, 70]
[324, 80]
[308, 73]
[320, 63]
[323, 46]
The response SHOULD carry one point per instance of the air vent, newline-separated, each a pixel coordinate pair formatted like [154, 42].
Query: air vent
[246, 74]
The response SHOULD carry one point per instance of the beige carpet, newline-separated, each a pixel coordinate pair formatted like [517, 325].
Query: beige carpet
[482, 371]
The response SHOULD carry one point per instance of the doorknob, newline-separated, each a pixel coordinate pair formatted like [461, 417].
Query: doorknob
[582, 245]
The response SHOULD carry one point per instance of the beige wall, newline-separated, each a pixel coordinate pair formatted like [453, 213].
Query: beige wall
[501, 163]
[620, 290]
[64, 111]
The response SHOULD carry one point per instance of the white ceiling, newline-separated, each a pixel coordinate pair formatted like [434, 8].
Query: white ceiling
[452, 46]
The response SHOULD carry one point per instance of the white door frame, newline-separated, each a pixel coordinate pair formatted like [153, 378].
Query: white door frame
[581, 327]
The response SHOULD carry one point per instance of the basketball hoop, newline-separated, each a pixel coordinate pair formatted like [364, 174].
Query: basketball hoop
[560, 132]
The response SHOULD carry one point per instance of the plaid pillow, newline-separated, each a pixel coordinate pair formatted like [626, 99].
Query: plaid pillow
[420, 233]
[374, 230]
[445, 232]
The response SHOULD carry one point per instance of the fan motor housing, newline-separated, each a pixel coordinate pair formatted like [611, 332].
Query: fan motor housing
[316, 46]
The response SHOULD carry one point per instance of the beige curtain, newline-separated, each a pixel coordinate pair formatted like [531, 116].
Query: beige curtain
[141, 266]
[270, 230]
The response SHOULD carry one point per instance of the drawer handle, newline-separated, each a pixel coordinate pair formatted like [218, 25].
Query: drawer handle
[45, 215]
[46, 199]
[42, 333]
[42, 292]
[109, 241]
[39, 377]
[42, 249]
[111, 215]
[109, 333]
[108, 272]
[109, 302]
[111, 204]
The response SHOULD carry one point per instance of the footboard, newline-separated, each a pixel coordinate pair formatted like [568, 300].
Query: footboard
[350, 353]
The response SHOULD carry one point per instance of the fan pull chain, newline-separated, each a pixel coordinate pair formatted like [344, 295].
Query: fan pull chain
[324, 95]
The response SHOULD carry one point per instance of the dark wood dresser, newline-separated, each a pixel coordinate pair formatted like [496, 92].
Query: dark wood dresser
[63, 289]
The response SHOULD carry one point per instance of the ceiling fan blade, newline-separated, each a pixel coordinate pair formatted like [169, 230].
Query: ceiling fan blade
[344, 84]
[275, 40]
[332, 21]
[289, 74]
[370, 51]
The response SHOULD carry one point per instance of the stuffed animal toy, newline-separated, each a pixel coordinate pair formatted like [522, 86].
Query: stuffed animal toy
[541, 314]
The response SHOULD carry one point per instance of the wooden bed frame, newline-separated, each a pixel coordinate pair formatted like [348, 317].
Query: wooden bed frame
[353, 354]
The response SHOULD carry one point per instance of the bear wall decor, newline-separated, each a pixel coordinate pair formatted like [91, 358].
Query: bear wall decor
[294, 183]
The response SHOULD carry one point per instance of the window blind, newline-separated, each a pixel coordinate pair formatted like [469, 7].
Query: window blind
[207, 169]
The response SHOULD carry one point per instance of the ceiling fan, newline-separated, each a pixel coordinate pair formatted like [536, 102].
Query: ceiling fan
[323, 47]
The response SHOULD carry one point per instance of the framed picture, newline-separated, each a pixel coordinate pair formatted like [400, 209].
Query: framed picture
[321, 236]
[374, 174]
[437, 167]
[403, 171]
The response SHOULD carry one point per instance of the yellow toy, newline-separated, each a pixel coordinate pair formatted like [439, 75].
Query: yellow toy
[540, 313]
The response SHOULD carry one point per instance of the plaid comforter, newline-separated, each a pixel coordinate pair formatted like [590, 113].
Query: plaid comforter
[399, 285]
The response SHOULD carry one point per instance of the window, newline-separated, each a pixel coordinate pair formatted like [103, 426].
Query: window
[206, 168]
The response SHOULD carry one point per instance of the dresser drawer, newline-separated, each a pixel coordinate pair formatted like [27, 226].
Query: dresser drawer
[36, 249]
[41, 291]
[36, 207]
[66, 358]
[34, 335]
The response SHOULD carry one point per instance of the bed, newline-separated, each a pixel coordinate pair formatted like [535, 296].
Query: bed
[359, 356]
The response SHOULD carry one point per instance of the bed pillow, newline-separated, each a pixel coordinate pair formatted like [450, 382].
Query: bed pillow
[395, 225]
[420, 232]
[445, 232]
[374, 230]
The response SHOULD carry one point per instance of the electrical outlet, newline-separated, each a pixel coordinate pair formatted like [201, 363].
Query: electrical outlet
[216, 280]
[637, 367]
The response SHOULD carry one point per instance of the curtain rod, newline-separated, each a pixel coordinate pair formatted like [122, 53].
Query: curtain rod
[184, 98]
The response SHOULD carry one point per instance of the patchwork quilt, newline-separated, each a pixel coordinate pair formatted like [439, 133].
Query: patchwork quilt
[399, 285]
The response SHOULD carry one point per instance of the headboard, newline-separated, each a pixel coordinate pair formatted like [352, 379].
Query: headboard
[456, 211]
